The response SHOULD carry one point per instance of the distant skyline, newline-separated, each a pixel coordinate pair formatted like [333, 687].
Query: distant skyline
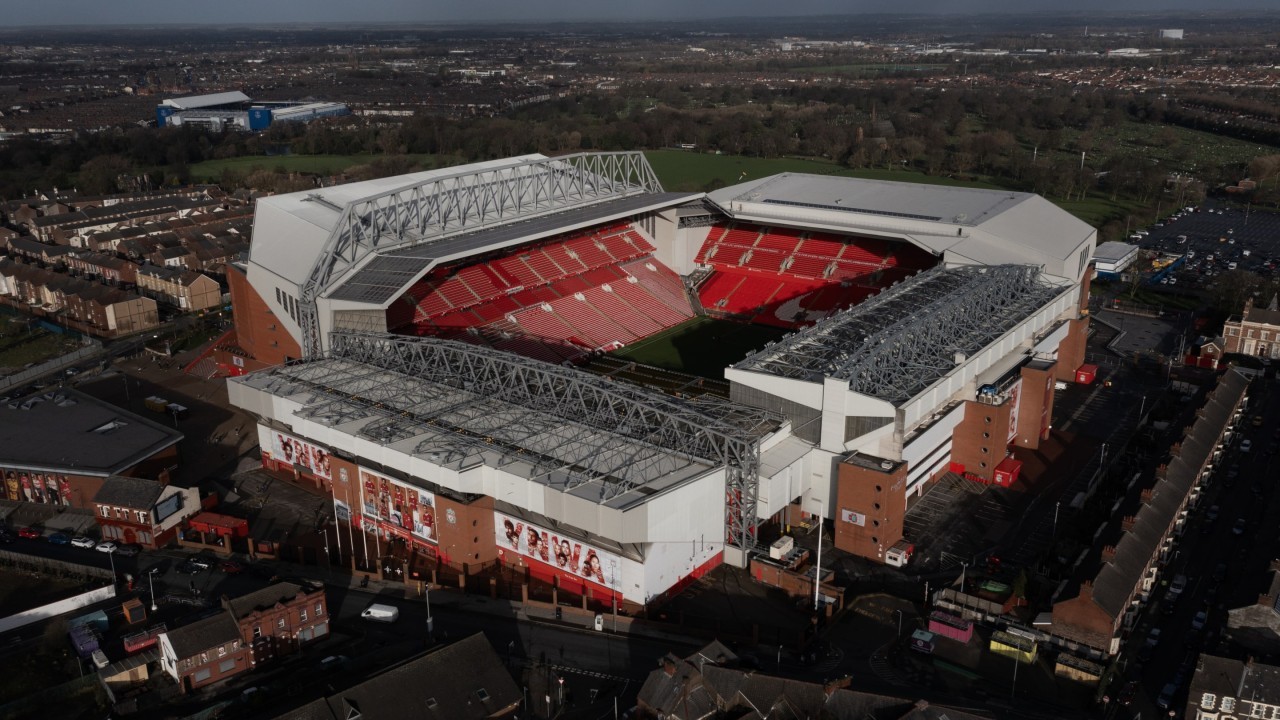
[150, 12]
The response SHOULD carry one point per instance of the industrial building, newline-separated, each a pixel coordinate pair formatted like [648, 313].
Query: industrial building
[235, 111]
[430, 349]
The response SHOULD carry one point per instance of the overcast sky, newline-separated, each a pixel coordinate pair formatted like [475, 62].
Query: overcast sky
[132, 12]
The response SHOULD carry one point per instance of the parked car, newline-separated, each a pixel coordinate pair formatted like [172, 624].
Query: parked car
[7, 537]
[106, 546]
[29, 533]
[1197, 622]
[1238, 528]
[1212, 513]
[1129, 692]
[128, 549]
[60, 538]
[230, 567]
[1178, 585]
[1246, 445]
[1165, 699]
[82, 541]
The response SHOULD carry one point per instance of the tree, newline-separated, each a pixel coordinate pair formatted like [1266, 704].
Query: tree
[100, 175]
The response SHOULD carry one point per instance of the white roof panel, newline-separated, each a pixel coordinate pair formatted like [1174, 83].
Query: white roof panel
[192, 102]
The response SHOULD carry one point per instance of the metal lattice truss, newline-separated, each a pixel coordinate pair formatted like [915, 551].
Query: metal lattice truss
[463, 202]
[575, 430]
[903, 340]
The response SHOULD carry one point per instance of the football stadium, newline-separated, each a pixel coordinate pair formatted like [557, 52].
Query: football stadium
[552, 364]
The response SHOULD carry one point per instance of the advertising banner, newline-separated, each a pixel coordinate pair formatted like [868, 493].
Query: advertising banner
[43, 488]
[1014, 392]
[287, 449]
[850, 516]
[554, 550]
[400, 504]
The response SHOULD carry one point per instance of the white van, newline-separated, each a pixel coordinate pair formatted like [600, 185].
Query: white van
[381, 613]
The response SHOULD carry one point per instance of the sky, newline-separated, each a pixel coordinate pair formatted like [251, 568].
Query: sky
[135, 12]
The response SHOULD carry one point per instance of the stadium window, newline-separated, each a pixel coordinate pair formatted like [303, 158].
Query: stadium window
[878, 488]
[875, 523]
[984, 451]
[876, 505]
[986, 435]
[982, 464]
[875, 539]
[987, 419]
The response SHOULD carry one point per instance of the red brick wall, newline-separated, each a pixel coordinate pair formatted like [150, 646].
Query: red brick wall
[980, 440]
[254, 322]
[1035, 406]
[880, 496]
[1071, 350]
[469, 538]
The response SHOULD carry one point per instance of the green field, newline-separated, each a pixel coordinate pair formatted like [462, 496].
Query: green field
[315, 164]
[702, 346]
[690, 171]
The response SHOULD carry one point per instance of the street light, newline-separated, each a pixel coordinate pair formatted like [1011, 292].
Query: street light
[151, 582]
[899, 613]
[430, 621]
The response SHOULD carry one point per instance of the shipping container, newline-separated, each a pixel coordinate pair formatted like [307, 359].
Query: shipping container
[155, 403]
[948, 625]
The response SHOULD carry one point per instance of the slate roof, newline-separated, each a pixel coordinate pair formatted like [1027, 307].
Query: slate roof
[267, 597]
[1115, 583]
[129, 492]
[686, 689]
[201, 635]
[444, 684]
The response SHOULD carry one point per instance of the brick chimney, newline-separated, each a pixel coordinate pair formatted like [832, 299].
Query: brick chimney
[1086, 589]
[1162, 471]
[1147, 494]
[1109, 552]
[1176, 450]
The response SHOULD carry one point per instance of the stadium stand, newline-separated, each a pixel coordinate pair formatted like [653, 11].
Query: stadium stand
[789, 278]
[555, 301]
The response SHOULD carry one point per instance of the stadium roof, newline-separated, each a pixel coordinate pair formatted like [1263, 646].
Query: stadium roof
[971, 225]
[386, 275]
[194, 102]
[900, 342]
[66, 431]
[290, 230]
[461, 406]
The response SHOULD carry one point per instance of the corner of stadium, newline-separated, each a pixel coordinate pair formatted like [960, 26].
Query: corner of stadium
[551, 364]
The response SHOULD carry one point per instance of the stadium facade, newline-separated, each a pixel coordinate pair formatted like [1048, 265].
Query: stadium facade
[424, 348]
[235, 111]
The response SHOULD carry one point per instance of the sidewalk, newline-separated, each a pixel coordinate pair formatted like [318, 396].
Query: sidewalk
[571, 618]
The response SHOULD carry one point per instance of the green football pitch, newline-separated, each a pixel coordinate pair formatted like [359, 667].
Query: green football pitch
[702, 346]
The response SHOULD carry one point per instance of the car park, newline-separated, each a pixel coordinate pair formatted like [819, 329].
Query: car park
[106, 546]
[82, 541]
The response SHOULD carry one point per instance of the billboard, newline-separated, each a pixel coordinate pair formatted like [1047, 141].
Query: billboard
[850, 516]
[287, 449]
[43, 488]
[397, 503]
[1014, 392]
[554, 550]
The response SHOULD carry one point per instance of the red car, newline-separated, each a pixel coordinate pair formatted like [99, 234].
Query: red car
[29, 533]
[230, 567]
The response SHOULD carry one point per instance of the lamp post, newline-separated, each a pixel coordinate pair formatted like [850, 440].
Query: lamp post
[899, 613]
[817, 567]
[430, 620]
[151, 582]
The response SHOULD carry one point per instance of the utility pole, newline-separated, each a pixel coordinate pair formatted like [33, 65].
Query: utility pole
[817, 567]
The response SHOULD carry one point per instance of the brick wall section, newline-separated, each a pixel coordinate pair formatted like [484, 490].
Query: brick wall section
[1036, 406]
[979, 441]
[258, 331]
[878, 495]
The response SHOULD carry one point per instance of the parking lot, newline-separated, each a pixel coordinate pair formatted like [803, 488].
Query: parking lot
[1214, 239]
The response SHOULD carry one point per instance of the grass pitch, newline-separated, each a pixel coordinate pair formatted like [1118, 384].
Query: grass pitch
[702, 346]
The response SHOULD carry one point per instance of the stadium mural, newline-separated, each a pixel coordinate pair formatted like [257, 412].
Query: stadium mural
[395, 503]
[291, 451]
[561, 553]
[43, 488]
[1013, 409]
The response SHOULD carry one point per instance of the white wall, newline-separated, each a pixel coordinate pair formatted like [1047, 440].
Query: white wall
[53, 609]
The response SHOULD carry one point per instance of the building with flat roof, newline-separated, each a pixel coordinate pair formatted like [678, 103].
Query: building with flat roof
[1256, 331]
[59, 447]
[433, 345]
[1111, 258]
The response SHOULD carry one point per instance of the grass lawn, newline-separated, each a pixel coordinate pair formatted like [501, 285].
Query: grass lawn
[702, 346]
[17, 349]
[318, 164]
[691, 171]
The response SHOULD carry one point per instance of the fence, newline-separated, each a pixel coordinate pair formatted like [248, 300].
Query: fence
[50, 366]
